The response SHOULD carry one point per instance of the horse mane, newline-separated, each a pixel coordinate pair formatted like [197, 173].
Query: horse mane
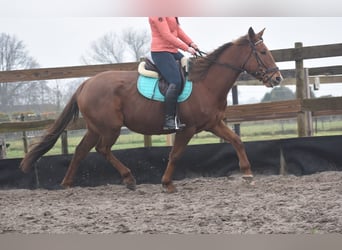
[201, 65]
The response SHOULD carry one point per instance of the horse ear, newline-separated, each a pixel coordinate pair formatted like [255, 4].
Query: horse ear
[251, 34]
[261, 33]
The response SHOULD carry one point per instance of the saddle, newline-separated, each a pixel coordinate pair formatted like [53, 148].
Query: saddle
[148, 68]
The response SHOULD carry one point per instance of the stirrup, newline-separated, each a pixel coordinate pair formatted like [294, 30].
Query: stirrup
[178, 124]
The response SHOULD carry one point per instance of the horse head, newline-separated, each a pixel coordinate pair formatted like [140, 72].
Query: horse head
[260, 62]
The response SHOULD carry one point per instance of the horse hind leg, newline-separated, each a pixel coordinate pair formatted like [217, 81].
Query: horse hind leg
[104, 148]
[87, 143]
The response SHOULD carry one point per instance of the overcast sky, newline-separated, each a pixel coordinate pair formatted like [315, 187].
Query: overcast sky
[58, 33]
[61, 41]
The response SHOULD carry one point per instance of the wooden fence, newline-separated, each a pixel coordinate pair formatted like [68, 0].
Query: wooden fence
[303, 108]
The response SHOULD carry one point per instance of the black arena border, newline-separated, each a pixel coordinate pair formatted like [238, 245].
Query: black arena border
[297, 156]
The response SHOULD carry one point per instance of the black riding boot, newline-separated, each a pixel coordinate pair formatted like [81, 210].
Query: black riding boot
[171, 97]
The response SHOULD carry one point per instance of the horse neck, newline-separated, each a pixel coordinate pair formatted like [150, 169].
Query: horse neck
[220, 78]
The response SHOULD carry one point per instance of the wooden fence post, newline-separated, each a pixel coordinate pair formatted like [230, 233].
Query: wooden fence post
[147, 141]
[236, 102]
[308, 114]
[25, 142]
[170, 138]
[64, 141]
[22, 118]
[300, 92]
[2, 148]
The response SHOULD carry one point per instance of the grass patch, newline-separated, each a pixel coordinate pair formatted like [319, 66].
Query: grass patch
[250, 131]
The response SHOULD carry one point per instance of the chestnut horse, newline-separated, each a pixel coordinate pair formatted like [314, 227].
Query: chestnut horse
[110, 100]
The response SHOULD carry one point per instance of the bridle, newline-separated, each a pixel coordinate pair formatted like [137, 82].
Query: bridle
[263, 72]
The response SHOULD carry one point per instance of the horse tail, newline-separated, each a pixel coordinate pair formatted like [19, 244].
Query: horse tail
[70, 112]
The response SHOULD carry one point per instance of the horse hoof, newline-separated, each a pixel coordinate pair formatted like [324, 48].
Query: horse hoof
[130, 183]
[248, 179]
[131, 186]
[66, 185]
[169, 188]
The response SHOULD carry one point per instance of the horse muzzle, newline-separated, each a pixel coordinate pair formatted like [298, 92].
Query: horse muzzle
[273, 80]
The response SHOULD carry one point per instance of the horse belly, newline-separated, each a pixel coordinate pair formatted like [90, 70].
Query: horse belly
[144, 119]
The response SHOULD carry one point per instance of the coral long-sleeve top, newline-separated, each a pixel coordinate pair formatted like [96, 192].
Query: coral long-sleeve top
[167, 35]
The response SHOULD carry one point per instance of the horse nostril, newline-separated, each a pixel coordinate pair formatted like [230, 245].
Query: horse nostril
[279, 79]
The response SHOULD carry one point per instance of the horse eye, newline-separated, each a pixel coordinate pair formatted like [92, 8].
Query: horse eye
[263, 52]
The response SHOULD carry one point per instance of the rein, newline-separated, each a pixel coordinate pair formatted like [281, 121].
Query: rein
[227, 65]
[260, 74]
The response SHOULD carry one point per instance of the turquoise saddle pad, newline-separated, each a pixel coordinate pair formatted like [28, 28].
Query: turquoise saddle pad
[148, 87]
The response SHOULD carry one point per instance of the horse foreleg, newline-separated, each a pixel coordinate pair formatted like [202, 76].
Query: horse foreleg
[88, 142]
[104, 148]
[224, 132]
[182, 138]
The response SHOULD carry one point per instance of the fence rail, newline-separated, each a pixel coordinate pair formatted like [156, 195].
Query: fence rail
[281, 55]
[62, 72]
[283, 109]
[234, 114]
[302, 107]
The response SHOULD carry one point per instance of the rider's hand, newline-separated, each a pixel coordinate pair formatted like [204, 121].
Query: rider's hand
[192, 51]
[194, 45]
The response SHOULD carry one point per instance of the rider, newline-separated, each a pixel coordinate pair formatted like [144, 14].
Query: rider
[167, 38]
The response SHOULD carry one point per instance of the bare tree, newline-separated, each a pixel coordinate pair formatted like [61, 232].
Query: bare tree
[137, 41]
[108, 49]
[115, 48]
[13, 56]
[69, 88]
